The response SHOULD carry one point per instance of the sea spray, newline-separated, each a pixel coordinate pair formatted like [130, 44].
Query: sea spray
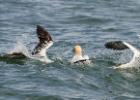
[20, 46]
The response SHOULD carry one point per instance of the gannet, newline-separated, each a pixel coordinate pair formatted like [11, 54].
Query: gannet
[45, 42]
[121, 45]
[39, 52]
[78, 57]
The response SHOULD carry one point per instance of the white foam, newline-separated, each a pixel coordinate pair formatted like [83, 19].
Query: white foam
[20, 48]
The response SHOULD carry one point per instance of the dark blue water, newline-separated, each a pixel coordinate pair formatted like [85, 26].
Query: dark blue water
[88, 22]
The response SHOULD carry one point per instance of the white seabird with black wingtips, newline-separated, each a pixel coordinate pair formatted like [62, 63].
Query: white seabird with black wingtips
[45, 42]
[120, 45]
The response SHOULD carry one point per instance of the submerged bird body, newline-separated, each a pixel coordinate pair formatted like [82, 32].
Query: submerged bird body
[78, 58]
[120, 45]
[14, 55]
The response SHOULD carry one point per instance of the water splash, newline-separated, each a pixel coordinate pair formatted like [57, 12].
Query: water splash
[125, 57]
[20, 47]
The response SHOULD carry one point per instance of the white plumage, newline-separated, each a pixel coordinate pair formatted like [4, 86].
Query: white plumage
[135, 61]
[120, 45]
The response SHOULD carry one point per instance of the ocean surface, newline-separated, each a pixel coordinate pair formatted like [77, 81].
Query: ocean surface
[90, 23]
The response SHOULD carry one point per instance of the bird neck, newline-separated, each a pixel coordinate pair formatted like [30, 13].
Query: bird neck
[78, 54]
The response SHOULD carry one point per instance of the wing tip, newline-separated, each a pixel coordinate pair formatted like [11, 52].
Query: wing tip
[116, 45]
[39, 28]
[43, 33]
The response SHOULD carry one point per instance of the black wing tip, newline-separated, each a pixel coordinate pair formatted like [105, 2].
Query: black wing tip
[116, 45]
[39, 28]
[43, 33]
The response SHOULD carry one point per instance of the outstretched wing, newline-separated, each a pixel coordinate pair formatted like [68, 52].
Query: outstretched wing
[45, 41]
[133, 49]
[43, 35]
[116, 45]
[120, 45]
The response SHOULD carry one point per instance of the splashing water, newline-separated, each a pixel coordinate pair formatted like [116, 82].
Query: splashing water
[20, 47]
